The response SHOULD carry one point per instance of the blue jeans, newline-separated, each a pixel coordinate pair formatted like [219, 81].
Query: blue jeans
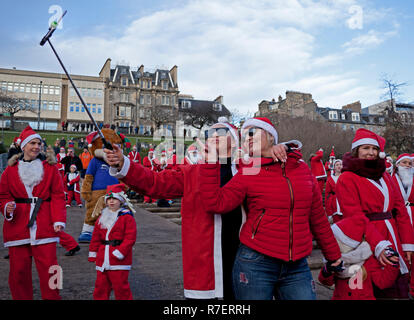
[259, 277]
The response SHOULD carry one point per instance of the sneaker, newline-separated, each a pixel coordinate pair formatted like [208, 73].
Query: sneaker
[68, 206]
[85, 237]
[80, 205]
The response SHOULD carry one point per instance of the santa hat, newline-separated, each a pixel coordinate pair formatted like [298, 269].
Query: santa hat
[337, 160]
[364, 136]
[412, 156]
[332, 155]
[192, 148]
[116, 191]
[163, 153]
[92, 137]
[16, 140]
[402, 157]
[263, 123]
[232, 128]
[27, 135]
[151, 150]
[74, 166]
[349, 232]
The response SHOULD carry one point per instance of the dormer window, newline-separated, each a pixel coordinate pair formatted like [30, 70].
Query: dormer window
[124, 81]
[355, 116]
[333, 115]
[186, 104]
[217, 106]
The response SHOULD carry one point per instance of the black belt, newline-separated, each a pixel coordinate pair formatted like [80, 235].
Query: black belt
[37, 201]
[411, 204]
[113, 243]
[379, 216]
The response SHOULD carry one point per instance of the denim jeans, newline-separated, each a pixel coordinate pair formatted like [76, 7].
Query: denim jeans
[259, 277]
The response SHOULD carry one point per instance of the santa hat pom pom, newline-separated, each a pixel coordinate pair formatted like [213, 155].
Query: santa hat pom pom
[382, 155]
[18, 141]
[222, 120]
[90, 145]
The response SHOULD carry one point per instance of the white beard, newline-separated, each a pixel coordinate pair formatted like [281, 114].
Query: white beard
[193, 158]
[31, 173]
[107, 218]
[406, 176]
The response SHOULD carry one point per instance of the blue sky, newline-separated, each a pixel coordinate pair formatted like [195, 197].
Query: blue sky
[246, 51]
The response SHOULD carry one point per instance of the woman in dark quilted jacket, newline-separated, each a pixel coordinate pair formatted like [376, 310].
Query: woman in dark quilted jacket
[284, 212]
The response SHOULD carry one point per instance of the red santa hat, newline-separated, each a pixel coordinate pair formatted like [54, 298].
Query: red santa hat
[92, 137]
[262, 123]
[402, 157]
[116, 191]
[27, 135]
[192, 148]
[412, 156]
[349, 231]
[364, 136]
[74, 166]
[163, 153]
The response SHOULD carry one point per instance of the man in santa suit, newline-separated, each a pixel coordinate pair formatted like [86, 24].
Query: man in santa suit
[192, 156]
[150, 163]
[329, 165]
[171, 159]
[134, 155]
[33, 204]
[61, 155]
[318, 169]
[72, 182]
[207, 266]
[364, 189]
[332, 208]
[403, 178]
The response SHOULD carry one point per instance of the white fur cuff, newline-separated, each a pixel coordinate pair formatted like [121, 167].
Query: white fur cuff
[92, 254]
[59, 224]
[118, 254]
[381, 246]
[8, 216]
[124, 170]
[408, 247]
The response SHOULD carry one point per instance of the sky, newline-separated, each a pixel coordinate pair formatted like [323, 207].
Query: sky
[246, 51]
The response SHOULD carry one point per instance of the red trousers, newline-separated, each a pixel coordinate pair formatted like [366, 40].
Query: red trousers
[67, 241]
[74, 195]
[20, 275]
[109, 280]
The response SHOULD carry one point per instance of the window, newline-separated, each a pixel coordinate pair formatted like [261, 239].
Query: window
[149, 84]
[344, 127]
[10, 86]
[45, 89]
[141, 99]
[147, 99]
[44, 105]
[124, 97]
[94, 108]
[77, 107]
[165, 85]
[99, 109]
[123, 111]
[51, 105]
[216, 106]
[51, 89]
[124, 81]
[57, 107]
[333, 115]
[343, 116]
[57, 90]
[4, 86]
[355, 116]
[22, 87]
[28, 88]
[35, 88]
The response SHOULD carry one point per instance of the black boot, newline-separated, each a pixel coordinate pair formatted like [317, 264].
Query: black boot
[72, 251]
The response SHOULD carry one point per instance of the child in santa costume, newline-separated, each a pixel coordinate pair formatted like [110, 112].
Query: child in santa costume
[134, 155]
[113, 237]
[361, 268]
[61, 155]
[318, 169]
[150, 163]
[332, 208]
[403, 178]
[366, 190]
[33, 204]
[72, 182]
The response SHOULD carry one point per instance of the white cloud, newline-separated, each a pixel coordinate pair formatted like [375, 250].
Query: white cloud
[366, 41]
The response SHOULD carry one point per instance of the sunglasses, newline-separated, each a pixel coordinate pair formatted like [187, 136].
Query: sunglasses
[221, 132]
[250, 132]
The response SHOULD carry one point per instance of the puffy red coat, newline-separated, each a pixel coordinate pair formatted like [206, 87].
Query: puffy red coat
[283, 205]
[382, 277]
[15, 231]
[105, 256]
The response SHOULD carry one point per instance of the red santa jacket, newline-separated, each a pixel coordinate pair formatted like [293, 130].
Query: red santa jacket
[362, 196]
[408, 196]
[134, 156]
[331, 203]
[200, 231]
[114, 256]
[382, 277]
[317, 167]
[52, 211]
[283, 205]
[72, 182]
[150, 164]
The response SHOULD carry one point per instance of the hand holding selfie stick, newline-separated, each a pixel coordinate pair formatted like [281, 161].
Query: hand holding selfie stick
[45, 39]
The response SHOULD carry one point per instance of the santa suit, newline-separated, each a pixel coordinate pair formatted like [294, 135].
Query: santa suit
[38, 241]
[191, 160]
[134, 156]
[358, 195]
[331, 203]
[318, 169]
[60, 156]
[113, 260]
[72, 183]
[152, 165]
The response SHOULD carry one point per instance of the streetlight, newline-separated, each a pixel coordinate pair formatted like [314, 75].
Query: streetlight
[40, 102]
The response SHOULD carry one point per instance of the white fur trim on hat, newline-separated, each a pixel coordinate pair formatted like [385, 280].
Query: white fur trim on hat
[343, 237]
[30, 138]
[120, 196]
[360, 142]
[402, 158]
[225, 122]
[263, 125]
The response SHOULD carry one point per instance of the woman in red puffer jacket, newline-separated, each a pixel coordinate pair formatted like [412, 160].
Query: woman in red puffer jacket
[284, 211]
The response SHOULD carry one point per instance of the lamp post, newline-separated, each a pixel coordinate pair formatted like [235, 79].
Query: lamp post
[40, 103]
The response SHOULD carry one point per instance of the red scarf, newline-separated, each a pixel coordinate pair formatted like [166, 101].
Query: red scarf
[372, 169]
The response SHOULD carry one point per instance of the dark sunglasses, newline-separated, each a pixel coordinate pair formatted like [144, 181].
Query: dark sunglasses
[221, 132]
[250, 132]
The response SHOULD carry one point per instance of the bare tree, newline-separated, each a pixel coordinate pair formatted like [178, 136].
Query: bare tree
[392, 90]
[238, 117]
[11, 104]
[198, 118]
[162, 115]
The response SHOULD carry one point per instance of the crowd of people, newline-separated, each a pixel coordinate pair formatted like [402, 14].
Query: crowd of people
[251, 209]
